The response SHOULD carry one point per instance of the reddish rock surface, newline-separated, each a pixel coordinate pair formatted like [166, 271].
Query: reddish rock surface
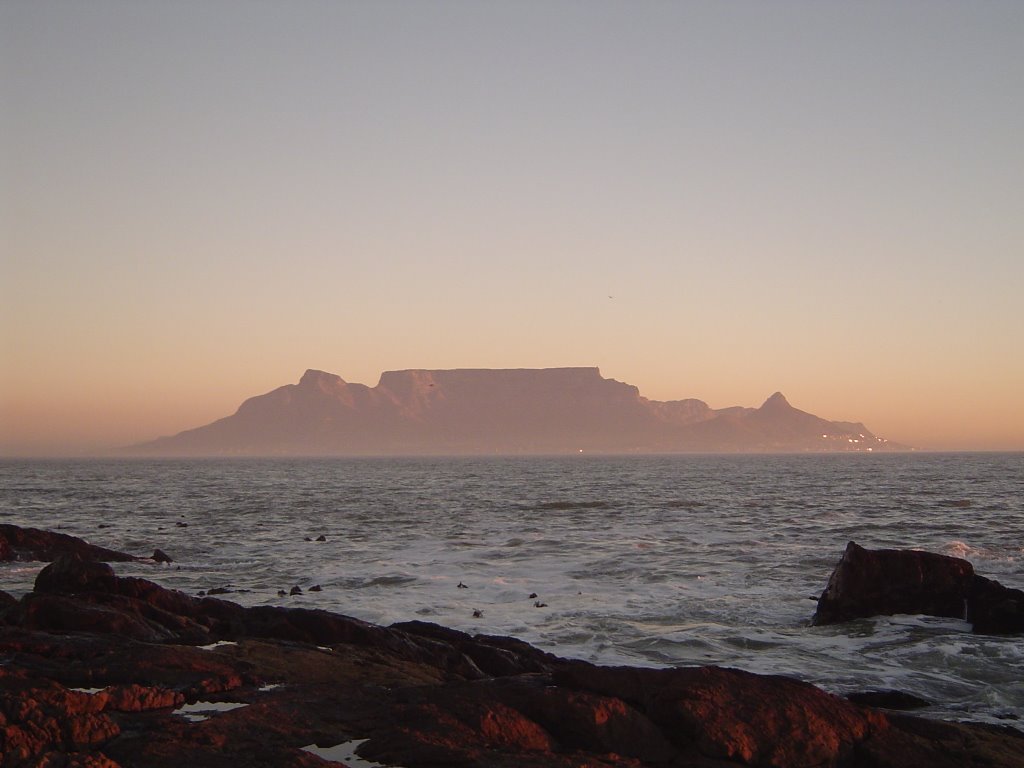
[418, 694]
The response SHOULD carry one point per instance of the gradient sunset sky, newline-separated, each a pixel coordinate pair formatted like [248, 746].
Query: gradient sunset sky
[718, 200]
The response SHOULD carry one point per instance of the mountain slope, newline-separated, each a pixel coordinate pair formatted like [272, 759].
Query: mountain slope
[474, 411]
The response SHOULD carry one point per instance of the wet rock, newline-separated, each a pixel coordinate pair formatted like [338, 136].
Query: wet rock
[296, 590]
[161, 557]
[888, 699]
[316, 588]
[994, 609]
[321, 537]
[492, 655]
[419, 694]
[17, 543]
[876, 582]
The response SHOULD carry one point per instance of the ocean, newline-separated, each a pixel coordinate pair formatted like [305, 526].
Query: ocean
[641, 560]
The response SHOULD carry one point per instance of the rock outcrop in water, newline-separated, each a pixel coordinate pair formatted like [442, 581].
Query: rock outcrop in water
[17, 543]
[97, 669]
[877, 582]
[555, 410]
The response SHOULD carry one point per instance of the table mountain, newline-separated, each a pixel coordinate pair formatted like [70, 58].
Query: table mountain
[504, 411]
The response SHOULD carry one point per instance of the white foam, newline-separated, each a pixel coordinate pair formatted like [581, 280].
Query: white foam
[218, 644]
[203, 710]
[343, 753]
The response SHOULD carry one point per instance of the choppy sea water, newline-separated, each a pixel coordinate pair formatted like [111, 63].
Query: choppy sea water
[659, 561]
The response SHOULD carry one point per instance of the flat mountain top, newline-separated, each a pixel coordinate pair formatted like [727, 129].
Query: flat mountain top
[513, 411]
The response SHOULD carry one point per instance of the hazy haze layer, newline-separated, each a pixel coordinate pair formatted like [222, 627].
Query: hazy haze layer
[709, 200]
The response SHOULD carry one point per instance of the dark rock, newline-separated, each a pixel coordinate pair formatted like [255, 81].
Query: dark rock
[316, 588]
[71, 574]
[994, 609]
[739, 716]
[492, 655]
[878, 582]
[321, 537]
[888, 699]
[533, 595]
[419, 694]
[161, 557]
[7, 601]
[17, 543]
[875, 582]
[219, 591]
[916, 741]
[296, 590]
[539, 604]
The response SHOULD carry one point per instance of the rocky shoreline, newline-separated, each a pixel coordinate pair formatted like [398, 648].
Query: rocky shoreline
[98, 671]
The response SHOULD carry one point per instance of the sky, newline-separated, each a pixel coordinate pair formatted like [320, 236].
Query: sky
[720, 200]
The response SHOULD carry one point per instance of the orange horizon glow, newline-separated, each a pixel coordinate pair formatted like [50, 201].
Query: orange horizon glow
[93, 425]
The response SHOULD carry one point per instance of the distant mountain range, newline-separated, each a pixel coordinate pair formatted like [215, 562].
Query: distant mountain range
[509, 411]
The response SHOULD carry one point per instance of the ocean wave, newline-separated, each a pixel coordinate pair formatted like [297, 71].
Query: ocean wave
[652, 559]
[568, 505]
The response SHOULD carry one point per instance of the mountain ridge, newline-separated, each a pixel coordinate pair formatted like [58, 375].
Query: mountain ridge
[504, 411]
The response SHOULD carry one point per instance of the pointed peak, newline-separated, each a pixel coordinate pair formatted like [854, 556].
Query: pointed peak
[313, 377]
[778, 400]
